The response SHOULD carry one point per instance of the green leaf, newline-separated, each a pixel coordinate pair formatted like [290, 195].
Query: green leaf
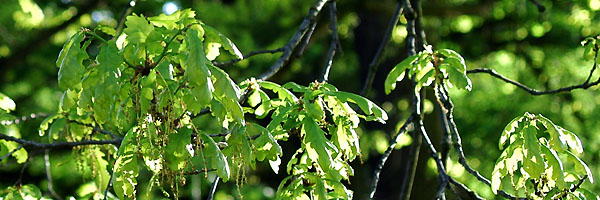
[397, 73]
[107, 29]
[367, 106]
[213, 152]
[70, 62]
[266, 146]
[458, 78]
[295, 87]
[512, 127]
[224, 86]
[572, 140]
[196, 71]
[282, 93]
[175, 151]
[319, 149]
[556, 142]
[9, 146]
[533, 163]
[6, 104]
[230, 47]
[126, 166]
[31, 191]
[320, 193]
[137, 29]
[178, 19]
[580, 166]
[46, 123]
[555, 163]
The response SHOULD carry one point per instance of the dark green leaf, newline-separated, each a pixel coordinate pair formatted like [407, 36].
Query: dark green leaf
[70, 63]
[397, 73]
[213, 152]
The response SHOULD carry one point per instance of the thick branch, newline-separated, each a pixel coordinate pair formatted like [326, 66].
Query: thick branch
[58, 145]
[291, 45]
[530, 90]
[335, 42]
[385, 156]
[379, 54]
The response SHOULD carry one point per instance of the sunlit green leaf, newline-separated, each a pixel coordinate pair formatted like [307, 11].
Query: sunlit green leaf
[70, 62]
[137, 28]
[367, 106]
[397, 73]
[175, 151]
[213, 152]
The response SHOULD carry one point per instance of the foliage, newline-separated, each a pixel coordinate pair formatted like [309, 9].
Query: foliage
[539, 161]
[172, 115]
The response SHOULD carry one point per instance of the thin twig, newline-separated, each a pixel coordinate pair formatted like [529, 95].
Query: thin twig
[49, 175]
[124, 15]
[20, 180]
[530, 90]
[213, 188]
[447, 106]
[246, 56]
[112, 173]
[386, 154]
[198, 171]
[440, 166]
[465, 192]
[306, 39]
[411, 166]
[294, 41]
[11, 152]
[58, 145]
[379, 54]
[97, 129]
[335, 41]
[539, 6]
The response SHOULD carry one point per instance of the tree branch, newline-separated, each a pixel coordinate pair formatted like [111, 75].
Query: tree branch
[294, 41]
[444, 100]
[335, 41]
[386, 154]
[379, 54]
[11, 152]
[97, 129]
[49, 175]
[198, 171]
[530, 90]
[58, 145]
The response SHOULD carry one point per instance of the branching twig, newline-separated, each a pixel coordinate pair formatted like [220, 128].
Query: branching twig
[447, 106]
[11, 152]
[379, 54]
[335, 41]
[97, 129]
[253, 53]
[530, 90]
[386, 154]
[440, 166]
[49, 175]
[198, 171]
[58, 145]
[463, 192]
[294, 41]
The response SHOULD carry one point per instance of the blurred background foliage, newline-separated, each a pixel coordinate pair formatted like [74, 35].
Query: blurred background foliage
[539, 49]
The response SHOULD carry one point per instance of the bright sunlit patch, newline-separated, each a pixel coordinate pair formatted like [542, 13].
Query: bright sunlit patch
[170, 7]
[463, 24]
[594, 4]
[101, 15]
